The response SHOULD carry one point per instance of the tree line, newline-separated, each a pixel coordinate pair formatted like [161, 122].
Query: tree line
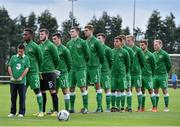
[11, 30]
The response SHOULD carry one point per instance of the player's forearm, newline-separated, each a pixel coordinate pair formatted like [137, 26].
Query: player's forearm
[24, 73]
[10, 71]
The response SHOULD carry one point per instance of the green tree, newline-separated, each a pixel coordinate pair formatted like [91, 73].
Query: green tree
[66, 26]
[32, 21]
[6, 23]
[177, 40]
[169, 32]
[46, 20]
[126, 31]
[154, 28]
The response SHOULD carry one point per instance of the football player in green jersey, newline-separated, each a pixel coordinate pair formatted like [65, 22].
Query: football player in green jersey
[77, 76]
[32, 50]
[136, 69]
[47, 69]
[147, 75]
[120, 68]
[105, 70]
[128, 75]
[64, 67]
[163, 66]
[94, 64]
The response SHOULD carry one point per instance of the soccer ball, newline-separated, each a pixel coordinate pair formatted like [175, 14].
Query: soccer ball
[63, 115]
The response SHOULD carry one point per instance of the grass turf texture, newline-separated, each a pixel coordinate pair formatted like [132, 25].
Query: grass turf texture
[147, 118]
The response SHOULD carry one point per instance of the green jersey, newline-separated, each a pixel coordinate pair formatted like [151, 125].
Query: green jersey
[96, 53]
[34, 53]
[131, 54]
[121, 62]
[150, 64]
[106, 66]
[18, 65]
[79, 53]
[163, 62]
[138, 61]
[50, 57]
[65, 62]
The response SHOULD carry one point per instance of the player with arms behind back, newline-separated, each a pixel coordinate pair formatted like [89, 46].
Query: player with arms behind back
[105, 70]
[147, 74]
[160, 80]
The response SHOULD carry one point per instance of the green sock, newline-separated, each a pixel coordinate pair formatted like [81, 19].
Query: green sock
[108, 101]
[40, 103]
[72, 100]
[123, 96]
[66, 100]
[157, 99]
[153, 100]
[118, 100]
[99, 100]
[113, 99]
[129, 101]
[143, 100]
[85, 100]
[166, 100]
[139, 100]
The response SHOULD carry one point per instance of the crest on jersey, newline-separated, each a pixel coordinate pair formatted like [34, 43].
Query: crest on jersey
[18, 66]
[30, 49]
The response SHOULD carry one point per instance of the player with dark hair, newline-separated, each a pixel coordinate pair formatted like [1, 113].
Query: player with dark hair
[77, 76]
[64, 67]
[105, 70]
[148, 72]
[120, 68]
[47, 69]
[18, 67]
[94, 64]
[34, 53]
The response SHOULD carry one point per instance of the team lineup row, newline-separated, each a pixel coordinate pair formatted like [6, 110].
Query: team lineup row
[83, 63]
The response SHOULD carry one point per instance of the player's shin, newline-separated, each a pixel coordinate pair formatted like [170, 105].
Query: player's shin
[40, 102]
[72, 100]
[153, 100]
[66, 100]
[157, 99]
[118, 100]
[166, 100]
[55, 101]
[113, 99]
[85, 99]
[99, 98]
[108, 100]
[123, 96]
[139, 96]
[44, 101]
[143, 100]
[129, 100]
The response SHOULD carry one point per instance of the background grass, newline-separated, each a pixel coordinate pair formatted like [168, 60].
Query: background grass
[147, 118]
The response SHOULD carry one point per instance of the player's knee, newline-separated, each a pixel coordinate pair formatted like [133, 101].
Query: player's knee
[66, 97]
[129, 93]
[99, 91]
[84, 93]
[108, 93]
[37, 91]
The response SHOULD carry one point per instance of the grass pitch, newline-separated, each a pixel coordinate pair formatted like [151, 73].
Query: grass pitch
[172, 118]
